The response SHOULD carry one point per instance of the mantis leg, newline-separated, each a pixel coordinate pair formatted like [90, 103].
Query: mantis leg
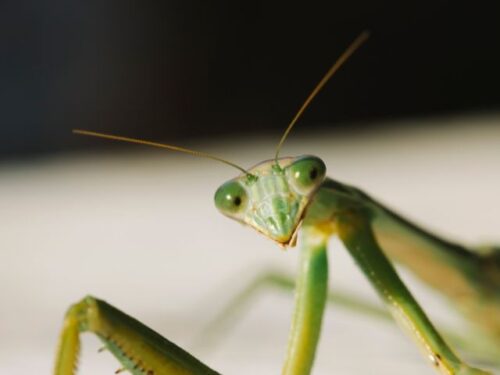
[471, 342]
[310, 298]
[273, 279]
[139, 349]
[355, 232]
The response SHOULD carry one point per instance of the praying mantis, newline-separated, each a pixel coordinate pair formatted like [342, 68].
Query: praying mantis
[281, 198]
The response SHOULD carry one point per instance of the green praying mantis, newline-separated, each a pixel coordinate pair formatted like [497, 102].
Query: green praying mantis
[280, 198]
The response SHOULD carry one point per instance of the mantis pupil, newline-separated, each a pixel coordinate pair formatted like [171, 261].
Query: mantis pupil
[237, 201]
[313, 173]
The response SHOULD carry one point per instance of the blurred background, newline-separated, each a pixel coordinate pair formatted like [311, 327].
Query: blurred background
[178, 69]
[413, 119]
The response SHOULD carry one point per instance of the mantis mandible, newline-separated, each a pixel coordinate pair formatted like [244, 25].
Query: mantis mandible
[279, 198]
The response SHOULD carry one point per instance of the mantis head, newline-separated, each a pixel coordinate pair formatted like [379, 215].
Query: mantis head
[273, 195]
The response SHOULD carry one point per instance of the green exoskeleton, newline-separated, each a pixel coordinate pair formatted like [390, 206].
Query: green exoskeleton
[280, 198]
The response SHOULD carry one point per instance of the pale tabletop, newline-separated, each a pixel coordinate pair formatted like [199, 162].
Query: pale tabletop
[140, 230]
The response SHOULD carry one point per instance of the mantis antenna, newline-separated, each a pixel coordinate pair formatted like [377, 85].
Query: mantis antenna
[340, 61]
[160, 145]
[334, 68]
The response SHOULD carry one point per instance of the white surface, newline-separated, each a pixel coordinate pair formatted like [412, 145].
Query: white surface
[140, 231]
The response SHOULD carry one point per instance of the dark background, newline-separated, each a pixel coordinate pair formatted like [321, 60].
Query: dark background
[171, 70]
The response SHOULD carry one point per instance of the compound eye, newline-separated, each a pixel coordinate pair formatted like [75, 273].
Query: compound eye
[307, 173]
[231, 198]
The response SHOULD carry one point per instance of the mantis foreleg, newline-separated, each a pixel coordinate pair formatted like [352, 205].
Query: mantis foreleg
[273, 279]
[473, 343]
[355, 232]
[139, 349]
[310, 298]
